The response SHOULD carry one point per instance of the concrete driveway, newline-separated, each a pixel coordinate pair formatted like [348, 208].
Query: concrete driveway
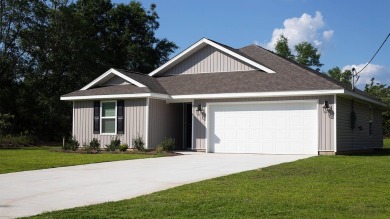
[33, 192]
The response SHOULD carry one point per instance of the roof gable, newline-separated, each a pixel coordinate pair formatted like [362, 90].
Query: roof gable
[200, 45]
[115, 80]
[108, 75]
[208, 60]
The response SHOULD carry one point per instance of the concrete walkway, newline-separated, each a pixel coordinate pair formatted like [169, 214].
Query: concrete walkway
[33, 192]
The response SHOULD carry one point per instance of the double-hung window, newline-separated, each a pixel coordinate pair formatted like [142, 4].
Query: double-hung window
[108, 117]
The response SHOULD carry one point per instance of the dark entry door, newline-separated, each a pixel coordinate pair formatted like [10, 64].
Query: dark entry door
[188, 125]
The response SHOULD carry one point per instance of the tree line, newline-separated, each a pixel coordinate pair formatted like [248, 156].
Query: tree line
[308, 55]
[52, 47]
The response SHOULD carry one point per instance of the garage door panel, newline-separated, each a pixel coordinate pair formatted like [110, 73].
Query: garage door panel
[274, 128]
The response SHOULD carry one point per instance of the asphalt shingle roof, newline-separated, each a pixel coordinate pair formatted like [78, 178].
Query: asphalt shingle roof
[289, 76]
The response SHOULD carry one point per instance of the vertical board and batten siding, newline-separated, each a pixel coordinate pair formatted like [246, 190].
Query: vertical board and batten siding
[135, 116]
[348, 139]
[208, 60]
[326, 120]
[115, 80]
[165, 120]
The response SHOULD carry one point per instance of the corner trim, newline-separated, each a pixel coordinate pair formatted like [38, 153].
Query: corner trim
[147, 123]
[73, 113]
[335, 123]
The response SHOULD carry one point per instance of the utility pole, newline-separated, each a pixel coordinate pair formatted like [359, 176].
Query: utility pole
[354, 75]
[353, 78]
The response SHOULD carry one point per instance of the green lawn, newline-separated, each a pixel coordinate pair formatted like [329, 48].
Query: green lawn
[386, 143]
[318, 187]
[14, 160]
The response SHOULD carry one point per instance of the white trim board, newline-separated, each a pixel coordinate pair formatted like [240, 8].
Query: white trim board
[117, 96]
[257, 94]
[350, 93]
[107, 74]
[185, 98]
[335, 123]
[200, 44]
[147, 123]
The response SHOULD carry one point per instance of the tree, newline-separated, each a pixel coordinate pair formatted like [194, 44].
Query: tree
[381, 91]
[15, 17]
[282, 49]
[344, 77]
[307, 55]
[58, 46]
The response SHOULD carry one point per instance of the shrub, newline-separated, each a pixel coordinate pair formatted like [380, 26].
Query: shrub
[159, 149]
[15, 141]
[87, 148]
[71, 144]
[123, 147]
[94, 144]
[114, 144]
[168, 144]
[138, 143]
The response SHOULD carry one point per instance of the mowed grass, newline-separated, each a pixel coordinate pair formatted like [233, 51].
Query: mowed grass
[317, 187]
[386, 142]
[34, 158]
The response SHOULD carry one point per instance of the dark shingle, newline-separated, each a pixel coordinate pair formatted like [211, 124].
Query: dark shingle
[236, 82]
[146, 80]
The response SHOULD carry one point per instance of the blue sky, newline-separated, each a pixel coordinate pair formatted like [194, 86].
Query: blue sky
[347, 33]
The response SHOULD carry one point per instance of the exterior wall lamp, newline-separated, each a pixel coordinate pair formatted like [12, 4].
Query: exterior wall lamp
[199, 108]
[326, 107]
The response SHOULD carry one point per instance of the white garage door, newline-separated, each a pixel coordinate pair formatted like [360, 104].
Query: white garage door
[271, 128]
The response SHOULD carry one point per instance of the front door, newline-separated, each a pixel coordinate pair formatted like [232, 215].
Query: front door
[187, 126]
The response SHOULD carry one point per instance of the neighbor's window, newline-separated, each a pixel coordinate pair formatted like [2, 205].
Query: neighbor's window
[108, 118]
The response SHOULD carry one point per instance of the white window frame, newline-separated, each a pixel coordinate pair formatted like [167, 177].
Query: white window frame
[108, 117]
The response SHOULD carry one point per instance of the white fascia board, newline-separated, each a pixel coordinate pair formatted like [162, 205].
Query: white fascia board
[257, 94]
[353, 94]
[112, 71]
[117, 96]
[200, 44]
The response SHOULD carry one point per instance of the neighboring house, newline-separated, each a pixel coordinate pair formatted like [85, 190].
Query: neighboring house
[214, 98]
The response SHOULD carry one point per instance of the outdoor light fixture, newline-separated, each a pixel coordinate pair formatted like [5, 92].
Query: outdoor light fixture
[199, 108]
[326, 106]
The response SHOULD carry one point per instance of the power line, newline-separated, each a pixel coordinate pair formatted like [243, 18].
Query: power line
[374, 54]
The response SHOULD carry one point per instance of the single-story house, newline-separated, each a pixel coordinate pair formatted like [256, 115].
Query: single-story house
[214, 98]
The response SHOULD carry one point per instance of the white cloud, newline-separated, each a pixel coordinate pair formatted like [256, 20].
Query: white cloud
[300, 29]
[378, 72]
[328, 34]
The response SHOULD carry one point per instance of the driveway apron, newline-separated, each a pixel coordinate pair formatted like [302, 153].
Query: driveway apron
[32, 192]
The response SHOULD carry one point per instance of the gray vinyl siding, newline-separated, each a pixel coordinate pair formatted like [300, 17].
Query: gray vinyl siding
[326, 120]
[115, 80]
[135, 117]
[208, 60]
[165, 120]
[348, 139]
